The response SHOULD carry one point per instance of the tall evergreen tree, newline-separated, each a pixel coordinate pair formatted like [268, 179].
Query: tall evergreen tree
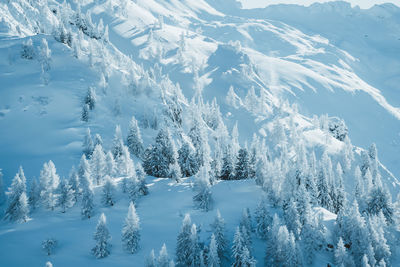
[117, 143]
[242, 165]
[134, 140]
[98, 164]
[34, 194]
[102, 237]
[75, 184]
[90, 98]
[183, 243]
[212, 256]
[187, 160]
[218, 228]
[227, 172]
[141, 176]
[131, 230]
[65, 198]
[108, 196]
[163, 259]
[379, 200]
[203, 197]
[263, 219]
[49, 181]
[110, 167]
[125, 164]
[194, 255]
[17, 205]
[88, 144]
[87, 206]
[342, 258]
[151, 260]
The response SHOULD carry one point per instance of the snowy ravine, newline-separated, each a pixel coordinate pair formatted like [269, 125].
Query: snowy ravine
[197, 133]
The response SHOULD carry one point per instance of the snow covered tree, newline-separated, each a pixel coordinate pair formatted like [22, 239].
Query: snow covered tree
[263, 219]
[49, 264]
[17, 205]
[194, 251]
[110, 167]
[65, 198]
[379, 201]
[151, 260]
[75, 184]
[240, 251]
[242, 165]
[212, 256]
[90, 98]
[45, 55]
[98, 164]
[292, 218]
[163, 259]
[49, 181]
[85, 113]
[157, 158]
[102, 237]
[183, 243]
[141, 176]
[88, 144]
[125, 164]
[246, 223]
[132, 188]
[376, 227]
[227, 172]
[87, 206]
[34, 194]
[108, 196]
[324, 178]
[49, 245]
[203, 198]
[134, 140]
[373, 156]
[287, 254]
[198, 136]
[175, 172]
[187, 160]
[342, 258]
[117, 143]
[130, 231]
[218, 228]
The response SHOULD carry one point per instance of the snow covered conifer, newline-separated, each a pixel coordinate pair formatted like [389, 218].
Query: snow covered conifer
[212, 256]
[110, 166]
[218, 227]
[125, 164]
[45, 55]
[66, 195]
[194, 255]
[187, 160]
[88, 144]
[342, 258]
[2, 190]
[130, 231]
[102, 237]
[242, 165]
[75, 184]
[227, 172]
[85, 113]
[203, 198]
[151, 260]
[240, 251]
[183, 243]
[48, 245]
[87, 206]
[98, 164]
[141, 176]
[90, 98]
[134, 140]
[263, 219]
[379, 200]
[17, 206]
[163, 259]
[108, 198]
[27, 52]
[49, 181]
[34, 194]
[175, 172]
[117, 143]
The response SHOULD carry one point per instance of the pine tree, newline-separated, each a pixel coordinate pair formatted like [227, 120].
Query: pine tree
[110, 165]
[212, 256]
[183, 243]
[130, 231]
[34, 195]
[88, 144]
[246, 223]
[97, 140]
[125, 164]
[132, 188]
[292, 218]
[218, 228]
[263, 219]
[341, 256]
[158, 158]
[28, 51]
[376, 227]
[175, 172]
[17, 205]
[194, 257]
[98, 164]
[203, 198]
[90, 98]
[66, 196]
[227, 172]
[102, 237]
[240, 251]
[75, 184]
[117, 143]
[379, 201]
[49, 245]
[242, 165]
[198, 137]
[49, 181]
[87, 206]
[108, 196]
[151, 260]
[85, 113]
[187, 160]
[141, 176]
[134, 140]
[163, 259]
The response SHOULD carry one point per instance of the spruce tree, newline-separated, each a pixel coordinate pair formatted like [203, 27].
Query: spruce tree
[151, 260]
[34, 195]
[131, 230]
[242, 165]
[212, 256]
[163, 259]
[49, 181]
[141, 176]
[187, 160]
[75, 184]
[341, 256]
[110, 165]
[203, 198]
[90, 98]
[98, 164]
[117, 143]
[218, 228]
[379, 201]
[17, 205]
[87, 205]
[66, 196]
[88, 144]
[102, 237]
[134, 140]
[194, 256]
[125, 164]
[108, 196]
[263, 219]
[175, 172]
[227, 172]
[183, 243]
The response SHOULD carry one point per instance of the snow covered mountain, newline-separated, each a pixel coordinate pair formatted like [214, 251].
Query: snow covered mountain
[220, 82]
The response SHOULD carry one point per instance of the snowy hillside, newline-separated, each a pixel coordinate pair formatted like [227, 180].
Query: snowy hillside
[286, 120]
